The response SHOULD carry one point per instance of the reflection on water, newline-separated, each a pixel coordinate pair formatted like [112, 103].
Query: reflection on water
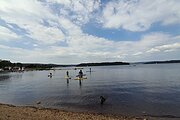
[4, 77]
[7, 76]
[80, 84]
[133, 90]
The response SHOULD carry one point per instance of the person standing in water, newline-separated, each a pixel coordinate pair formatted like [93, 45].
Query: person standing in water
[67, 73]
[80, 74]
[50, 75]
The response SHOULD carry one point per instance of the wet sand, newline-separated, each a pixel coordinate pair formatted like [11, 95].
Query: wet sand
[10, 112]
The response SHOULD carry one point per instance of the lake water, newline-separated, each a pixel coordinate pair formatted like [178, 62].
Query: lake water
[130, 90]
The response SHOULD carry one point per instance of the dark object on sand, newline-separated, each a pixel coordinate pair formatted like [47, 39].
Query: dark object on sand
[38, 102]
[102, 99]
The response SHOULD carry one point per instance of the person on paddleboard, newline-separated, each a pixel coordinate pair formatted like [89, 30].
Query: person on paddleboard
[80, 74]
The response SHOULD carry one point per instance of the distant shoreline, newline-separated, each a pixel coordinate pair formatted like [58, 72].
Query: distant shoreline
[162, 62]
[20, 67]
[102, 64]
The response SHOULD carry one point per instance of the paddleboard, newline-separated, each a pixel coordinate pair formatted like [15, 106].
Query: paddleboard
[77, 78]
[78, 75]
[66, 77]
[90, 71]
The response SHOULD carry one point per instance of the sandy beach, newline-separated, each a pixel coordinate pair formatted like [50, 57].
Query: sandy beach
[11, 112]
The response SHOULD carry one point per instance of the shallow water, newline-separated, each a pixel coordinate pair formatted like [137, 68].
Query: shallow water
[130, 90]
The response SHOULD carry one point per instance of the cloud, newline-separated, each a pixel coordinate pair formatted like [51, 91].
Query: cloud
[43, 34]
[138, 53]
[86, 48]
[6, 34]
[58, 37]
[79, 11]
[29, 16]
[41, 24]
[165, 48]
[139, 15]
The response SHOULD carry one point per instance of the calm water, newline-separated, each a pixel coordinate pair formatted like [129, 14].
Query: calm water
[130, 90]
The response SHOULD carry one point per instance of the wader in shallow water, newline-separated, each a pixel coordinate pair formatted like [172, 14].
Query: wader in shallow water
[80, 74]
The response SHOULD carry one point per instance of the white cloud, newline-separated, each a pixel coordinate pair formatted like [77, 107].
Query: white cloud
[165, 48]
[48, 35]
[69, 27]
[29, 15]
[63, 2]
[80, 47]
[6, 34]
[139, 15]
[79, 11]
[138, 53]
[85, 48]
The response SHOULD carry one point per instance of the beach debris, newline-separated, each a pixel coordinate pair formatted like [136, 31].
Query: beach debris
[139, 118]
[38, 102]
[102, 99]
[144, 112]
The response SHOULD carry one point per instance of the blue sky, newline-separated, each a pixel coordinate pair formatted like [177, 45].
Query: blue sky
[66, 31]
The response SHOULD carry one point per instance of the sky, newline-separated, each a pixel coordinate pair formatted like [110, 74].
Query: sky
[76, 31]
